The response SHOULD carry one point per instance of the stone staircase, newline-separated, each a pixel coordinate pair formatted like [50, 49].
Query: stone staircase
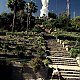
[57, 49]
[63, 61]
[60, 58]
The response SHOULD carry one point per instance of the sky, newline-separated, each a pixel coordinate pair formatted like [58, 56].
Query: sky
[56, 6]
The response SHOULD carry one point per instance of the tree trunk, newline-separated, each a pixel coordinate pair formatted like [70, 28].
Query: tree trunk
[14, 16]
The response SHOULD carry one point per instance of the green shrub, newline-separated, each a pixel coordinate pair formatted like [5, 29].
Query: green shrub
[36, 64]
[68, 37]
[37, 29]
[74, 52]
[46, 61]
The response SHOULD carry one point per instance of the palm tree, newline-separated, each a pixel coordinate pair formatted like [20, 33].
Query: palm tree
[31, 8]
[15, 6]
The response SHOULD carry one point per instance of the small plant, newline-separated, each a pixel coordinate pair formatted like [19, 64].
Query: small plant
[36, 63]
[37, 29]
[46, 61]
[74, 52]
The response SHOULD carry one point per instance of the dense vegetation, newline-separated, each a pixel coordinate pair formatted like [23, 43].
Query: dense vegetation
[22, 35]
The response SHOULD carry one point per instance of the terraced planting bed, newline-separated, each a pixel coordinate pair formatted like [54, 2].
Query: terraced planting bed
[21, 45]
[16, 42]
[21, 50]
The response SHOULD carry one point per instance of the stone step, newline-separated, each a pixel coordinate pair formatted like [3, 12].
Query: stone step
[61, 56]
[73, 75]
[66, 61]
[68, 71]
[58, 55]
[68, 67]
[65, 67]
[55, 44]
[71, 78]
[57, 61]
[74, 64]
[70, 74]
[53, 53]
[63, 51]
[58, 64]
[64, 64]
[54, 59]
[55, 47]
[51, 57]
[57, 51]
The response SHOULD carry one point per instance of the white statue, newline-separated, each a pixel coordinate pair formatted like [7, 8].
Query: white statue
[44, 10]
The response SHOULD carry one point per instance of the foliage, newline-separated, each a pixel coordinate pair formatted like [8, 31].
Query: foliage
[64, 35]
[40, 51]
[46, 61]
[6, 21]
[31, 7]
[37, 29]
[39, 21]
[20, 4]
[76, 24]
[52, 15]
[15, 6]
[21, 15]
[36, 63]
[48, 23]
[4, 62]
[76, 21]
[63, 21]
[74, 52]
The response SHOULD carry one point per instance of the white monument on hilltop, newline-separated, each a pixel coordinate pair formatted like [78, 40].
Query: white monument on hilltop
[44, 10]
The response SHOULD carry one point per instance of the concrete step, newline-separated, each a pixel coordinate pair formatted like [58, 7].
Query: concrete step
[69, 71]
[54, 45]
[60, 61]
[58, 64]
[51, 57]
[71, 78]
[68, 67]
[64, 61]
[59, 55]
[73, 75]
[57, 51]
[64, 64]
[65, 67]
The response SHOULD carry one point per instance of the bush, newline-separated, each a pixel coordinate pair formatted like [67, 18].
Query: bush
[36, 64]
[74, 52]
[66, 37]
[46, 61]
[37, 29]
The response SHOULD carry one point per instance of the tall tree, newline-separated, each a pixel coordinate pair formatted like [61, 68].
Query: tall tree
[6, 21]
[15, 6]
[31, 8]
[63, 21]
